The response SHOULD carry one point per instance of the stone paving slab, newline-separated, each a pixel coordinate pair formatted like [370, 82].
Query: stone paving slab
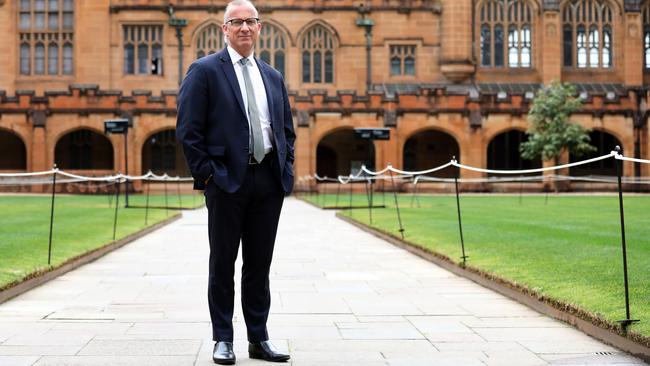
[339, 297]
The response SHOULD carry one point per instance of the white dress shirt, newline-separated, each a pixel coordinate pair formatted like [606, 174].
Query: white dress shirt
[260, 94]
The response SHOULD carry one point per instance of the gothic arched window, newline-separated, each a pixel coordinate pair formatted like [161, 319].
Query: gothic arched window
[45, 27]
[272, 47]
[587, 33]
[209, 40]
[318, 55]
[505, 28]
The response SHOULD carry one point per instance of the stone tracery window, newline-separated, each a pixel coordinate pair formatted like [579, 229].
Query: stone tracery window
[45, 28]
[272, 47]
[496, 17]
[143, 49]
[318, 55]
[402, 60]
[587, 33]
[209, 40]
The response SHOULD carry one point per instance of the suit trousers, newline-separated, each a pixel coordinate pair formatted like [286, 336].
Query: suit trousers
[251, 215]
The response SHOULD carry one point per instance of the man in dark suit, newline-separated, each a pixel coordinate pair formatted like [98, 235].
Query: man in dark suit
[235, 125]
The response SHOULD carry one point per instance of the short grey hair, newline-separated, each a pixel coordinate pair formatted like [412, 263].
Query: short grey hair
[237, 3]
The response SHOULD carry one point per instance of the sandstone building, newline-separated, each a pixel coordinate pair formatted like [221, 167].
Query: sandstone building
[448, 77]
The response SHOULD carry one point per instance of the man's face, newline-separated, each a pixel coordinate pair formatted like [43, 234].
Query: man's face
[239, 28]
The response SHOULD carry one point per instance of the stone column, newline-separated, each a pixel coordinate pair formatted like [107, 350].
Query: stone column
[632, 46]
[550, 46]
[457, 59]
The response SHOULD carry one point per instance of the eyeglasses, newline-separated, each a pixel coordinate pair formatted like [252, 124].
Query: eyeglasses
[238, 23]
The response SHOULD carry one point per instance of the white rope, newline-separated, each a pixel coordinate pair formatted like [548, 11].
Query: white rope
[621, 157]
[420, 172]
[27, 174]
[539, 170]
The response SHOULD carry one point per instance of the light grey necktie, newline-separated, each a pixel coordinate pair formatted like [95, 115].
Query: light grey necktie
[257, 143]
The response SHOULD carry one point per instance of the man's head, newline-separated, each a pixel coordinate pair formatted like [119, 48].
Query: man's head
[241, 26]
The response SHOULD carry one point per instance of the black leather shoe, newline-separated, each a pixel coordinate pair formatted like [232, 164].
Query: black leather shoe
[223, 353]
[266, 351]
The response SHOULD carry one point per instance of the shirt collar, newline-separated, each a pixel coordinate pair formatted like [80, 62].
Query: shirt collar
[235, 56]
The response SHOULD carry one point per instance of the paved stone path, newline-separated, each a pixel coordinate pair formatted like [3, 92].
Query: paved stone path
[340, 297]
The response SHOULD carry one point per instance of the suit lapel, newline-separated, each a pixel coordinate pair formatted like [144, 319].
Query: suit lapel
[267, 87]
[226, 66]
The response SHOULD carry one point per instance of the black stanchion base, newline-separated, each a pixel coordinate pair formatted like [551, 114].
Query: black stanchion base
[627, 322]
[350, 207]
[163, 207]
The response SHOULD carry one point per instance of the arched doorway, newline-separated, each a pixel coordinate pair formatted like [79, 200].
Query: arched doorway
[503, 152]
[161, 154]
[13, 155]
[604, 144]
[341, 153]
[84, 149]
[429, 149]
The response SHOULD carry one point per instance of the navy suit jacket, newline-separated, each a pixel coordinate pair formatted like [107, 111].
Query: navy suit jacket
[213, 128]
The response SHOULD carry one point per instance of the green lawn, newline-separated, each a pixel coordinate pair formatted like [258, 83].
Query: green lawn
[81, 223]
[568, 248]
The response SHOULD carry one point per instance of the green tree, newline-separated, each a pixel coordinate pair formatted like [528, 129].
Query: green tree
[550, 133]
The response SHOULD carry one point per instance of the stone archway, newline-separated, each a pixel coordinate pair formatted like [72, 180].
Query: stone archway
[503, 152]
[604, 143]
[84, 149]
[341, 153]
[162, 154]
[13, 155]
[428, 149]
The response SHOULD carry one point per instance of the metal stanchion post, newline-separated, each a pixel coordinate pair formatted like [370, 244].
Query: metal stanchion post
[415, 192]
[180, 203]
[49, 249]
[627, 321]
[146, 206]
[166, 199]
[368, 188]
[399, 217]
[460, 222]
[350, 183]
[117, 206]
[338, 192]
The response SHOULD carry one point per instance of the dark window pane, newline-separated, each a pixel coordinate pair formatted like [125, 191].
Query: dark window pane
[53, 21]
[329, 67]
[25, 20]
[498, 46]
[486, 46]
[395, 66]
[39, 20]
[67, 59]
[318, 67]
[24, 59]
[53, 59]
[39, 59]
[306, 67]
[68, 20]
[266, 57]
[157, 58]
[568, 46]
[279, 62]
[143, 59]
[409, 66]
[53, 5]
[129, 62]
